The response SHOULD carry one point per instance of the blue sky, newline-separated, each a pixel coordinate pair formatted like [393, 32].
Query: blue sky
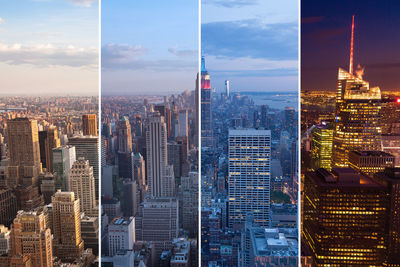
[252, 43]
[149, 47]
[49, 47]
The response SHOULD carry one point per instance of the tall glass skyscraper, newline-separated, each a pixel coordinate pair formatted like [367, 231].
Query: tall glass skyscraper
[357, 121]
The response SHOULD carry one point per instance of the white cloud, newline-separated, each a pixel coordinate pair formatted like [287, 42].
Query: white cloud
[1, 20]
[86, 3]
[122, 53]
[45, 55]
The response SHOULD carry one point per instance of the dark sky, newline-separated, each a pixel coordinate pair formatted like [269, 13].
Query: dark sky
[325, 41]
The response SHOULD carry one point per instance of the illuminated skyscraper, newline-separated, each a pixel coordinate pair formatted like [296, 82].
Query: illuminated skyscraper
[391, 179]
[321, 146]
[81, 182]
[23, 149]
[206, 115]
[89, 124]
[357, 121]
[370, 162]
[67, 241]
[344, 218]
[249, 176]
[227, 88]
[30, 236]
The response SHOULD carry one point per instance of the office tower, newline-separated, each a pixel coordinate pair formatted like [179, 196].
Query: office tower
[157, 221]
[28, 197]
[130, 199]
[121, 235]
[290, 120]
[124, 148]
[184, 143]
[48, 139]
[390, 178]
[111, 207]
[249, 176]
[124, 136]
[370, 162]
[391, 144]
[139, 169]
[227, 88]
[321, 146]
[190, 203]
[175, 158]
[5, 241]
[23, 150]
[81, 182]
[108, 173]
[31, 237]
[206, 115]
[66, 229]
[88, 148]
[157, 157]
[183, 124]
[357, 116]
[264, 110]
[90, 232]
[63, 158]
[89, 124]
[8, 206]
[344, 218]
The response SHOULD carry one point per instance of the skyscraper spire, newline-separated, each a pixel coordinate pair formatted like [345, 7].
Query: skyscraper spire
[351, 47]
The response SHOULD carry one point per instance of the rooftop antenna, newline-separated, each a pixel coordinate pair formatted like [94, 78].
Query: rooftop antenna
[351, 48]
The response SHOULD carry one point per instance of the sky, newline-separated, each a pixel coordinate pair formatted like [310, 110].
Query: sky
[49, 47]
[251, 43]
[149, 47]
[326, 34]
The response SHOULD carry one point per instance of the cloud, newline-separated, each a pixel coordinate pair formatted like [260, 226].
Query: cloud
[182, 53]
[121, 53]
[48, 55]
[1, 20]
[231, 3]
[250, 67]
[250, 38]
[119, 56]
[86, 3]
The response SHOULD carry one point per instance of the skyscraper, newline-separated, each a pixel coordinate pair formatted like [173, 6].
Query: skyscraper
[48, 139]
[321, 146]
[357, 116]
[121, 235]
[63, 158]
[344, 218]
[23, 149]
[30, 236]
[88, 148]
[227, 88]
[157, 156]
[206, 115]
[81, 182]
[66, 226]
[89, 124]
[249, 176]
[124, 148]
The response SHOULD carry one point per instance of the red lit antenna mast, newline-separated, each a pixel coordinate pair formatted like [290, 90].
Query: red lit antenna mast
[351, 47]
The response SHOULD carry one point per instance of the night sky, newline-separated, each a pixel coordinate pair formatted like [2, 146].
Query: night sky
[325, 41]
